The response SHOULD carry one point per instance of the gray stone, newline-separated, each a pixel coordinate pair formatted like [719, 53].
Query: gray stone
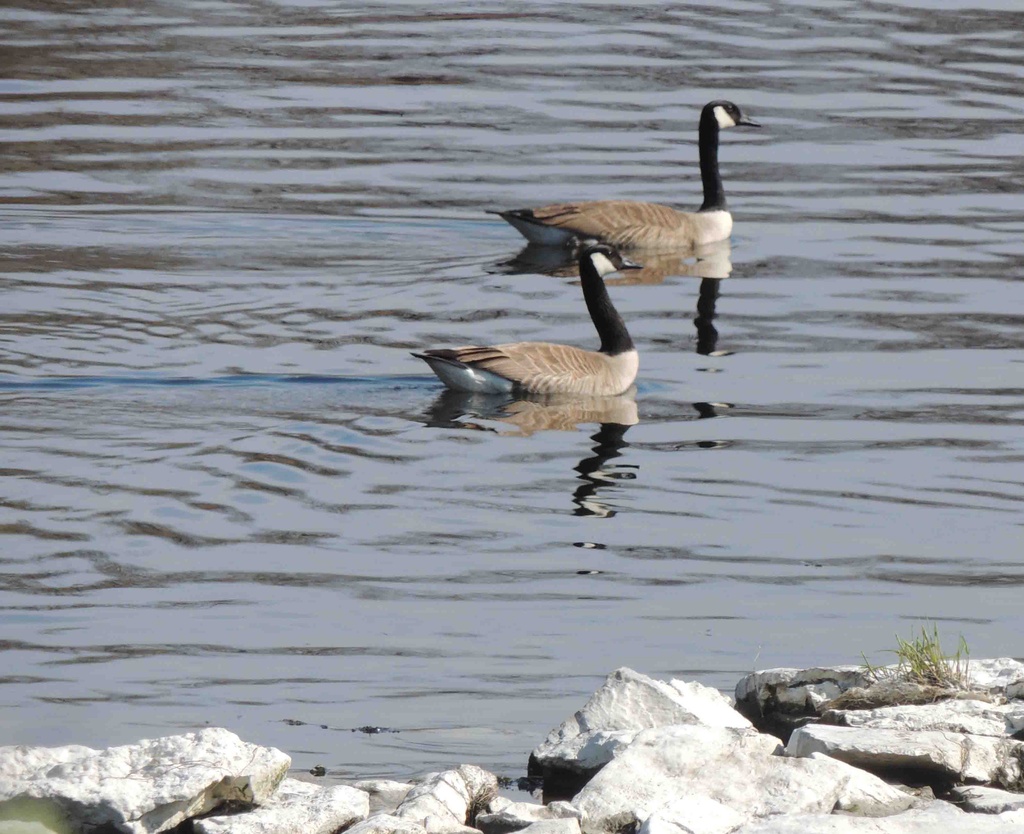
[779, 700]
[796, 690]
[445, 803]
[954, 756]
[296, 807]
[626, 703]
[733, 768]
[981, 800]
[145, 787]
[385, 795]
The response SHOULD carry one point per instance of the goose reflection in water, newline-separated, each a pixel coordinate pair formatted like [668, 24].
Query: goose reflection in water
[526, 416]
[595, 472]
[713, 260]
[710, 263]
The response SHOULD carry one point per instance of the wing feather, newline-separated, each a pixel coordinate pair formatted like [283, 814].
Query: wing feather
[547, 368]
[627, 224]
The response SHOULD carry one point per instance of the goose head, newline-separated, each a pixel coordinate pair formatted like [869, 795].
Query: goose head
[726, 114]
[606, 259]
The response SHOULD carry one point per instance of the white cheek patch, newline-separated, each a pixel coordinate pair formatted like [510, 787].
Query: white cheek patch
[602, 264]
[724, 119]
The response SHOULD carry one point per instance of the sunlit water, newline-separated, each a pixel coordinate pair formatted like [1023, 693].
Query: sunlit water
[231, 497]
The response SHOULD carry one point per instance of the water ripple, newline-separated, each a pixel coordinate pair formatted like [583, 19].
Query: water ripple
[230, 496]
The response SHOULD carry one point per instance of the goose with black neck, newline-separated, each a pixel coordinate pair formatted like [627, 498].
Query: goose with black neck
[628, 224]
[546, 367]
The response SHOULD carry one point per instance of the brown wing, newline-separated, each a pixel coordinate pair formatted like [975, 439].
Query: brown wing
[618, 222]
[546, 368]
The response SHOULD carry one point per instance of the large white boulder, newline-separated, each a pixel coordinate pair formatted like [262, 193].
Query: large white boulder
[626, 703]
[145, 787]
[737, 769]
[950, 755]
[297, 806]
[446, 803]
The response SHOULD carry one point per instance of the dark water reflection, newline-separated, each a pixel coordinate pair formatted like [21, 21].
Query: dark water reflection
[229, 496]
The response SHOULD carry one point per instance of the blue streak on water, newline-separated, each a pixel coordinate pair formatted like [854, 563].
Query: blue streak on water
[244, 380]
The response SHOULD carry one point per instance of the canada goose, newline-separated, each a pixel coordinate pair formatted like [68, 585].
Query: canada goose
[625, 223]
[546, 368]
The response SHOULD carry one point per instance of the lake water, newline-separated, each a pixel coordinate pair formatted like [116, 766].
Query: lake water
[230, 496]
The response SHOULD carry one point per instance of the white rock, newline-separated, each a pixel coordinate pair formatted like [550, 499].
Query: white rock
[973, 717]
[515, 816]
[937, 818]
[802, 691]
[692, 815]
[586, 753]
[626, 703]
[996, 674]
[569, 825]
[956, 755]
[297, 806]
[564, 810]
[707, 705]
[981, 800]
[865, 795]
[734, 768]
[386, 824]
[385, 795]
[444, 801]
[145, 787]
[499, 804]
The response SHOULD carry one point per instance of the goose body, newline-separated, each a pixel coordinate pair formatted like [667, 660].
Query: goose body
[628, 224]
[547, 367]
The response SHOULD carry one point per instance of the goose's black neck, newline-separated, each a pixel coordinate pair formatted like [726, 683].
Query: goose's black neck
[611, 328]
[714, 196]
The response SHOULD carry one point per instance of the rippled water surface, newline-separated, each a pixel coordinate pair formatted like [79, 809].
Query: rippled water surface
[229, 495]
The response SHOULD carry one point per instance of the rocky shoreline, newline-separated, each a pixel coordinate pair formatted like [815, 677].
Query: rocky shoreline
[799, 752]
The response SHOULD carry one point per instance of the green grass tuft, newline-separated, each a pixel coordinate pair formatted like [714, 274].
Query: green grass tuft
[920, 660]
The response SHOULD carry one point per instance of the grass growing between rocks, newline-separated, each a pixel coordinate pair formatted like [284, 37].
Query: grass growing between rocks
[921, 660]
